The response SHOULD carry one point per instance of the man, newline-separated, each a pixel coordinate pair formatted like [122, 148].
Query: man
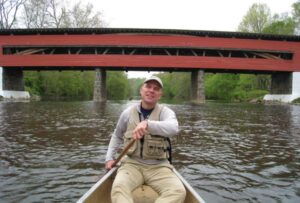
[150, 125]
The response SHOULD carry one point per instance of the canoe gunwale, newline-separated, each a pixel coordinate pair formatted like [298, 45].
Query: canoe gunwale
[111, 172]
[188, 186]
[95, 186]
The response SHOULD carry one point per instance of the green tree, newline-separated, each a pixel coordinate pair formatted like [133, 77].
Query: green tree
[55, 84]
[221, 86]
[256, 19]
[283, 24]
[176, 85]
[247, 88]
[117, 86]
[296, 15]
[135, 85]
[33, 82]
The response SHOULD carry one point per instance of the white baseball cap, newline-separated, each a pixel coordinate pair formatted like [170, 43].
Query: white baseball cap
[155, 78]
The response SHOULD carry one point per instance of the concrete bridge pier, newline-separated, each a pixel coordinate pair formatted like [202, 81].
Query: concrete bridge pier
[285, 87]
[197, 87]
[12, 84]
[100, 85]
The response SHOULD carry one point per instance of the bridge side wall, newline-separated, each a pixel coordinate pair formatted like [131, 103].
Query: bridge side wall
[12, 84]
[197, 87]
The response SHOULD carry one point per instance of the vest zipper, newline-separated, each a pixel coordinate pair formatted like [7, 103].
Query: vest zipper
[141, 140]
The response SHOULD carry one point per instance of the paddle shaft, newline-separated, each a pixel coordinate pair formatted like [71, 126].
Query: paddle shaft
[124, 152]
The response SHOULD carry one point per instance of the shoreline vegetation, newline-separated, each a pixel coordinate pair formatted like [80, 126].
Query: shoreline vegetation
[177, 86]
[296, 101]
[70, 86]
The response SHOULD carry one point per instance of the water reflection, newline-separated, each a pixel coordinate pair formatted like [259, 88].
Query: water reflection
[54, 151]
[246, 152]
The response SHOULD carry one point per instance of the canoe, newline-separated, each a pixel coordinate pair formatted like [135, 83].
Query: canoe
[100, 192]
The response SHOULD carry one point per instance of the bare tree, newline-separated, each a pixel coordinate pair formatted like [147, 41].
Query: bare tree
[57, 14]
[8, 12]
[37, 14]
[83, 16]
[52, 13]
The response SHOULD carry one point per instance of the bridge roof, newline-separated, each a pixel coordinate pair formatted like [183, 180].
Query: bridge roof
[205, 33]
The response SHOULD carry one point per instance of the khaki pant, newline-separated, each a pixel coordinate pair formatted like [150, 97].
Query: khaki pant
[160, 177]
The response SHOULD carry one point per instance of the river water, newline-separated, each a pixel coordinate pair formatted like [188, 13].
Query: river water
[54, 151]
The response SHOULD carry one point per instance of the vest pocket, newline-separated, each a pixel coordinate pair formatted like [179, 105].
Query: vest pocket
[154, 148]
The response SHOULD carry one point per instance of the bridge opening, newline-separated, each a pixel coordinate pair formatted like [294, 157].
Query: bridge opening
[149, 51]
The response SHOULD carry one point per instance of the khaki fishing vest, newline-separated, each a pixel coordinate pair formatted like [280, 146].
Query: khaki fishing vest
[152, 146]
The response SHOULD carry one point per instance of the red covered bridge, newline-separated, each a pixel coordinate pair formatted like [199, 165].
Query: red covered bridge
[150, 50]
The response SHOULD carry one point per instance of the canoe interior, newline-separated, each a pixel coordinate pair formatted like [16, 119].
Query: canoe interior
[144, 194]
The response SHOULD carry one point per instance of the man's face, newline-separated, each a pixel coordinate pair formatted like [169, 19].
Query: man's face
[151, 92]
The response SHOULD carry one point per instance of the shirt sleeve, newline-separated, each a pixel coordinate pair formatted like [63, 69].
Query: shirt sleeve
[116, 140]
[167, 126]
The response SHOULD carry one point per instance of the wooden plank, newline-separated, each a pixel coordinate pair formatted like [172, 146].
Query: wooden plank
[156, 62]
[29, 51]
[267, 56]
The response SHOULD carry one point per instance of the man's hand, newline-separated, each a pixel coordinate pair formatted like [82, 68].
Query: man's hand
[109, 164]
[140, 130]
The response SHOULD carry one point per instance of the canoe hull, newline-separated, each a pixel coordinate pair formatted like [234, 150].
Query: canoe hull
[100, 192]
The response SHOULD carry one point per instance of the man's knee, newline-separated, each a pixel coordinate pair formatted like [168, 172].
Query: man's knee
[118, 188]
[174, 194]
[121, 193]
[180, 192]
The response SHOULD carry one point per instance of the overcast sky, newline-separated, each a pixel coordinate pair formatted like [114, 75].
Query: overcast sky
[219, 15]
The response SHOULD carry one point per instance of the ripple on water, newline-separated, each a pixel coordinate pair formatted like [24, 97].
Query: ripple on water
[54, 151]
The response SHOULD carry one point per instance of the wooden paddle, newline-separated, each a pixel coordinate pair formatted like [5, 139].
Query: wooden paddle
[124, 152]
